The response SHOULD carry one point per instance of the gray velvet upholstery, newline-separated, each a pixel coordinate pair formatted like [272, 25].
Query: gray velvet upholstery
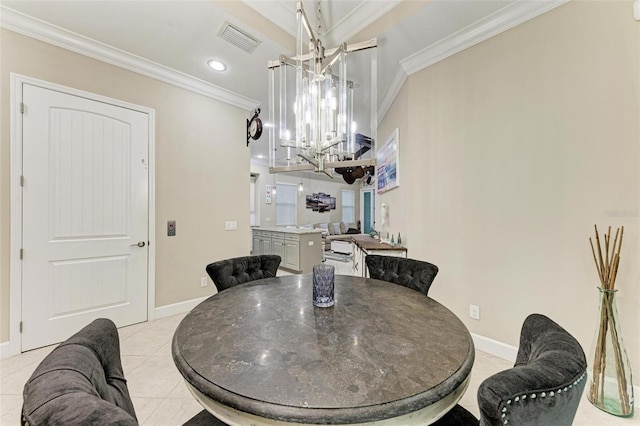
[231, 272]
[544, 386]
[414, 274]
[80, 382]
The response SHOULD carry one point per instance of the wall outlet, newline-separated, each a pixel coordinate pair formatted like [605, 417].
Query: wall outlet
[310, 243]
[231, 225]
[268, 219]
[474, 312]
[203, 282]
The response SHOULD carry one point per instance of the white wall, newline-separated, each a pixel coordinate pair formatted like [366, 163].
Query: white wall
[510, 152]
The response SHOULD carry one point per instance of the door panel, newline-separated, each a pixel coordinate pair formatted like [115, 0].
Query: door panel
[79, 285]
[85, 208]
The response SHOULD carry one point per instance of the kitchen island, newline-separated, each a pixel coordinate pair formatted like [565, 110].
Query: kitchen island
[299, 248]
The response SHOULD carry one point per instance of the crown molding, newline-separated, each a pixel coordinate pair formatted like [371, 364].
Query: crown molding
[508, 17]
[399, 77]
[358, 19]
[40, 30]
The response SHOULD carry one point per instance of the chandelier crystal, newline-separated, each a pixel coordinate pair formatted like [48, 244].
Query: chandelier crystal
[312, 125]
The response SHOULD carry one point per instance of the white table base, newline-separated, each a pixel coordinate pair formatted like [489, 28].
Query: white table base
[424, 416]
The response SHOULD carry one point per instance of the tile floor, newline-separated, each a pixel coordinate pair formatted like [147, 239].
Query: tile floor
[161, 398]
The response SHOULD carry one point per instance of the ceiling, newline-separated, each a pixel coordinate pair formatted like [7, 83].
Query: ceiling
[181, 36]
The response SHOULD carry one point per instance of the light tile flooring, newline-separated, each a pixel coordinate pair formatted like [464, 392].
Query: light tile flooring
[161, 398]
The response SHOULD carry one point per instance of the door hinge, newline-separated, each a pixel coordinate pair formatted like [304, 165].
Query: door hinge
[20, 326]
[21, 253]
[21, 107]
[21, 180]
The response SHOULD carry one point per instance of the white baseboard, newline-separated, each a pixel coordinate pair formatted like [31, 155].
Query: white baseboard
[4, 350]
[177, 308]
[493, 347]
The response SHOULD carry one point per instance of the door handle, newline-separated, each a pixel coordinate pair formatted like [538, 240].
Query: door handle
[138, 244]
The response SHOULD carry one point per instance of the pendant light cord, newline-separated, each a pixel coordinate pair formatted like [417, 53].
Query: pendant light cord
[319, 20]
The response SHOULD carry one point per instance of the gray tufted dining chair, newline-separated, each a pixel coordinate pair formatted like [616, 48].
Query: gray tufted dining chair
[231, 272]
[414, 274]
[80, 382]
[543, 387]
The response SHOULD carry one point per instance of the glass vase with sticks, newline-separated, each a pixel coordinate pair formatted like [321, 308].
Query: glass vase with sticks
[610, 386]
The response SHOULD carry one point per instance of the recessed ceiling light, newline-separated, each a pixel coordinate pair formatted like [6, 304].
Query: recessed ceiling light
[217, 65]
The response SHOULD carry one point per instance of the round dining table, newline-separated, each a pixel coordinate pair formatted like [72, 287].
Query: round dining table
[262, 354]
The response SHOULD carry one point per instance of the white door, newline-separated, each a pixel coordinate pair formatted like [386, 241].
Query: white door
[85, 215]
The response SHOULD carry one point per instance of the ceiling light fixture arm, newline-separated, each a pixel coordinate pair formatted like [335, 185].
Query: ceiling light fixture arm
[286, 60]
[307, 25]
[331, 60]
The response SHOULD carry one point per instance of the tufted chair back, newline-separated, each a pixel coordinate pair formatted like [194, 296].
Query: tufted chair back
[80, 382]
[543, 387]
[545, 384]
[231, 272]
[414, 274]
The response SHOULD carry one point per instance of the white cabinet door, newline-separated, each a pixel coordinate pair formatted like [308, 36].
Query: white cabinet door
[265, 244]
[255, 246]
[292, 254]
[277, 246]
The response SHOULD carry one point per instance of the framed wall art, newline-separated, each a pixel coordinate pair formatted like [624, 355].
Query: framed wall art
[387, 167]
[321, 202]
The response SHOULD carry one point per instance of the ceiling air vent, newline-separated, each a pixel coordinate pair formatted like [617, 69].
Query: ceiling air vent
[239, 38]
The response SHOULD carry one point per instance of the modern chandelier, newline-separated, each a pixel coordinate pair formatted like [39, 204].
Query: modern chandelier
[311, 121]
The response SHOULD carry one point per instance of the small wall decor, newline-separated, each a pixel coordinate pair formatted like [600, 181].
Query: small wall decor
[387, 164]
[254, 126]
[321, 202]
[267, 199]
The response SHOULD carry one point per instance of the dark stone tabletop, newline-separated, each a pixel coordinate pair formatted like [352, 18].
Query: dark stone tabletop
[381, 351]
